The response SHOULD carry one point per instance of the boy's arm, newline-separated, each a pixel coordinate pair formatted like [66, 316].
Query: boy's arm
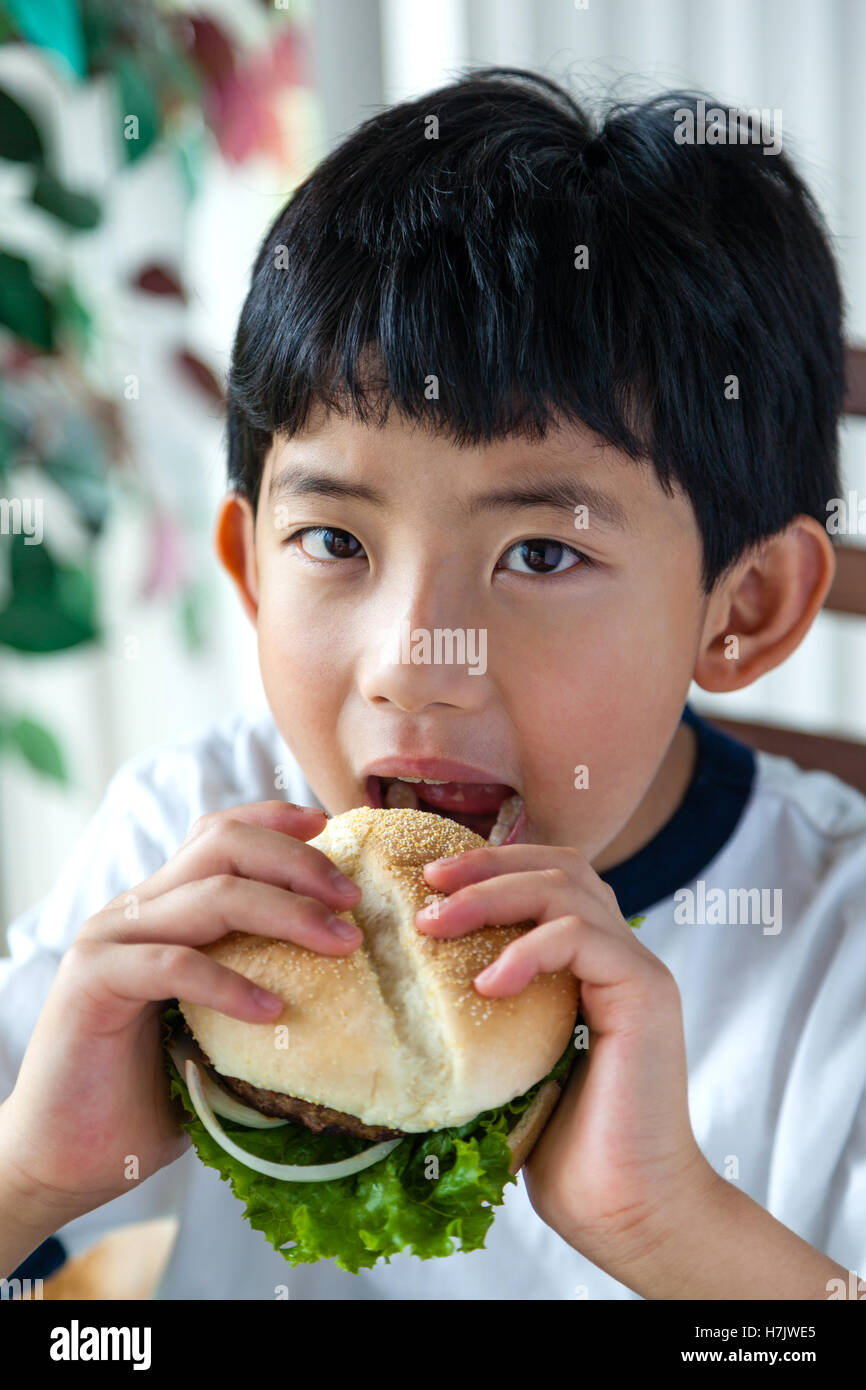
[717, 1243]
[131, 833]
[27, 1218]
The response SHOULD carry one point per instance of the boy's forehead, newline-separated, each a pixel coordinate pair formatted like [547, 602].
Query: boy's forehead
[572, 463]
[347, 444]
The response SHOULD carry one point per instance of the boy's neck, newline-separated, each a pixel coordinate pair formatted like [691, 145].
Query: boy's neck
[665, 795]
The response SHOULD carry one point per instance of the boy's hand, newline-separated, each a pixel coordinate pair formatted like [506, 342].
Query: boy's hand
[619, 1147]
[90, 1114]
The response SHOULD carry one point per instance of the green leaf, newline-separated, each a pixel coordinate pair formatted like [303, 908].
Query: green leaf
[26, 626]
[401, 1203]
[52, 24]
[19, 136]
[23, 307]
[637, 921]
[77, 210]
[76, 592]
[72, 318]
[31, 567]
[190, 147]
[37, 746]
[51, 606]
[135, 98]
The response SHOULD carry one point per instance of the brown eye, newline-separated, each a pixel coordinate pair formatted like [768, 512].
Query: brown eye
[337, 544]
[540, 555]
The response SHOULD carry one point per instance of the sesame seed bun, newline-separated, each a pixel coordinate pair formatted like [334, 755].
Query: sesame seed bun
[394, 1033]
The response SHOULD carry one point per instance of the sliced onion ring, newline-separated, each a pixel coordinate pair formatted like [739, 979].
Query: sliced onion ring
[182, 1050]
[286, 1172]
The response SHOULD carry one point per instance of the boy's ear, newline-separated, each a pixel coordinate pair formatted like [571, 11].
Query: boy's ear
[761, 610]
[235, 544]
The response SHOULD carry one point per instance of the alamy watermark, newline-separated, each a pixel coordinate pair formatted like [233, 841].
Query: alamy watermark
[729, 906]
[445, 646]
[715, 125]
[22, 516]
[846, 516]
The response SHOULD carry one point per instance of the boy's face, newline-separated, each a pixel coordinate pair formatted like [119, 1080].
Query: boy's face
[587, 667]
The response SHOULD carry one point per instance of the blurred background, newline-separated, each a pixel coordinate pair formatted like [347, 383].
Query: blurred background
[145, 148]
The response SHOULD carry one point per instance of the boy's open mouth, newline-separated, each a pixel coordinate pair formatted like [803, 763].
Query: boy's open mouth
[492, 809]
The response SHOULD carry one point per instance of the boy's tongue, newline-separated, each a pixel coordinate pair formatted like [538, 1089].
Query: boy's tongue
[472, 798]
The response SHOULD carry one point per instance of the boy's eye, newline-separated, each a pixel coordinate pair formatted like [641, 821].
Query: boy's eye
[541, 555]
[336, 543]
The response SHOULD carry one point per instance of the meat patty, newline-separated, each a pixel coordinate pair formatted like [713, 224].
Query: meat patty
[319, 1118]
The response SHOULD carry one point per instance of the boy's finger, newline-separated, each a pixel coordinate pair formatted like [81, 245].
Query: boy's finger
[202, 911]
[231, 845]
[118, 980]
[494, 861]
[533, 896]
[593, 954]
[301, 821]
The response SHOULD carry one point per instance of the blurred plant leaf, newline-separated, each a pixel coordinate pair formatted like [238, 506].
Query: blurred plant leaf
[51, 606]
[72, 317]
[192, 618]
[77, 210]
[19, 135]
[190, 146]
[51, 24]
[157, 279]
[166, 568]
[136, 98]
[199, 374]
[12, 440]
[212, 51]
[36, 745]
[31, 567]
[23, 307]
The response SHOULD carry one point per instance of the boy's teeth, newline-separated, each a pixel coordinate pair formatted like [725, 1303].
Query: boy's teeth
[398, 795]
[430, 781]
[505, 820]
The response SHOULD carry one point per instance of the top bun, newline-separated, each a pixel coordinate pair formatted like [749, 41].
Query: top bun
[395, 1033]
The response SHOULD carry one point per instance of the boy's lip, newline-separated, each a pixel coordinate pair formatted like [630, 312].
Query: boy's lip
[444, 769]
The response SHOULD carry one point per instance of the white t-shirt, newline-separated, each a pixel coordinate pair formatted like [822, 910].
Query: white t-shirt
[773, 992]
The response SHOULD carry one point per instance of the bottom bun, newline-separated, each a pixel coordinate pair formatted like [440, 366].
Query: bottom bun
[527, 1131]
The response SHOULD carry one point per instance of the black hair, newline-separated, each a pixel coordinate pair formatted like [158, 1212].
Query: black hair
[403, 256]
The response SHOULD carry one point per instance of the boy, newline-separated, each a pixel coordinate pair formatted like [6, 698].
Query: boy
[577, 393]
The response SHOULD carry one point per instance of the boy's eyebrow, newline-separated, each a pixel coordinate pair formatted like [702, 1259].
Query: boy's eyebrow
[556, 493]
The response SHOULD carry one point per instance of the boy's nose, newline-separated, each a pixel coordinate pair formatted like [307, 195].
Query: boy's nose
[412, 665]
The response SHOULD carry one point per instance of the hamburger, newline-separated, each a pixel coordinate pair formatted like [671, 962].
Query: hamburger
[388, 1105]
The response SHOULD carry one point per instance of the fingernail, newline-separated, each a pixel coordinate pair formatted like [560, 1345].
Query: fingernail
[347, 930]
[265, 999]
[341, 882]
[446, 859]
[488, 973]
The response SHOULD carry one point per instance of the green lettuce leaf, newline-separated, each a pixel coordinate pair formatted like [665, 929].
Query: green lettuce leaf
[404, 1202]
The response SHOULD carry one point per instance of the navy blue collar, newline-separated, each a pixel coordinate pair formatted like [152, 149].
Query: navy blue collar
[697, 831]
